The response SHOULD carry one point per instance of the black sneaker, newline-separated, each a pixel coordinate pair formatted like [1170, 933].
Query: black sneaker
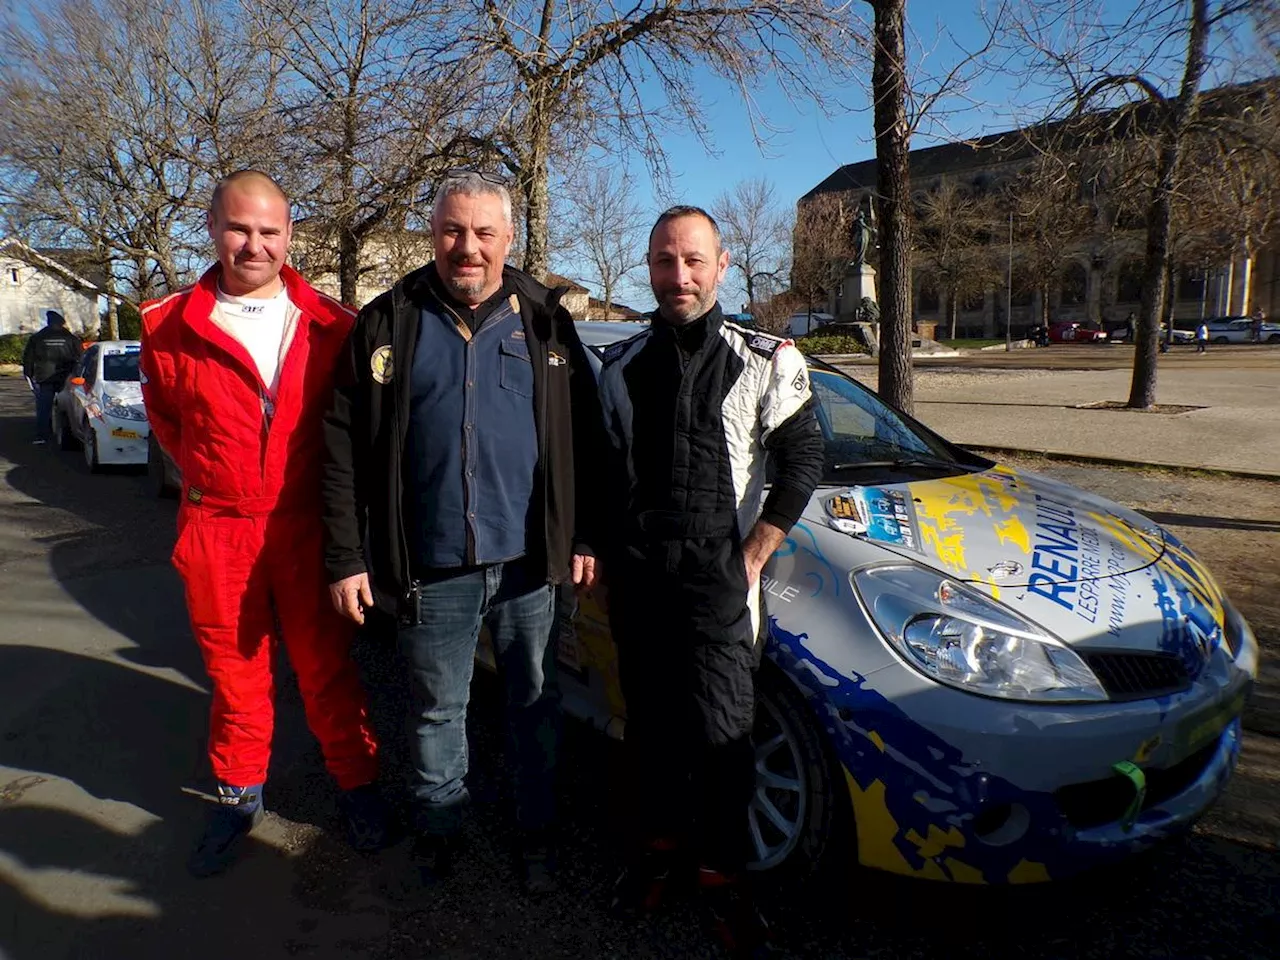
[735, 918]
[239, 810]
[367, 818]
[434, 857]
[536, 863]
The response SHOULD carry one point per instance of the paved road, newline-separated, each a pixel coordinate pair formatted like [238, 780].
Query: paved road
[102, 706]
[1222, 408]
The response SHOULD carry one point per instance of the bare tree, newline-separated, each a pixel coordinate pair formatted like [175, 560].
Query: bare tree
[905, 95]
[617, 75]
[1160, 51]
[954, 225]
[1052, 217]
[103, 147]
[754, 230]
[609, 227]
[374, 111]
[821, 246]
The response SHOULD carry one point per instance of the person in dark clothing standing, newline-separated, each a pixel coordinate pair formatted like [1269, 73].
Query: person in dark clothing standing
[47, 361]
[462, 441]
[695, 406]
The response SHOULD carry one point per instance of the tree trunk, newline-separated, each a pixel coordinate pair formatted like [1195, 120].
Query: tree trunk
[893, 143]
[537, 196]
[109, 288]
[953, 312]
[348, 265]
[1142, 389]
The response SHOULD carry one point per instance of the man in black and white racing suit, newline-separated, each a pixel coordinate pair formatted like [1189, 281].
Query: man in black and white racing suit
[695, 406]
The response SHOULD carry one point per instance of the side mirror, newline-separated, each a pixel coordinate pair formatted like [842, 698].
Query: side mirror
[76, 381]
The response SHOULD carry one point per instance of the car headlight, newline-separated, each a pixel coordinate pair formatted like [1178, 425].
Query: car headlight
[955, 635]
[121, 410]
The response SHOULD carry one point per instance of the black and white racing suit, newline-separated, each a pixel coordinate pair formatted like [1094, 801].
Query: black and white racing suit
[693, 412]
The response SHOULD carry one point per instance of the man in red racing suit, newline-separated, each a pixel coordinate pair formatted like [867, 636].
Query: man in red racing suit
[237, 370]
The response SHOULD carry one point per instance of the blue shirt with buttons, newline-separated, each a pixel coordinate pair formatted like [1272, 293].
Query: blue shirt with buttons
[472, 447]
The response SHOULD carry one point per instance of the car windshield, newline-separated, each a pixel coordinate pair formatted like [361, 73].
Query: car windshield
[120, 366]
[862, 435]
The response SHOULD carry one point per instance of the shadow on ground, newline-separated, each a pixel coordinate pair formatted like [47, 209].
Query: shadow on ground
[96, 823]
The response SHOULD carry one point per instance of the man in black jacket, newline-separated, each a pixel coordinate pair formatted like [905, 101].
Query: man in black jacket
[462, 443]
[695, 405]
[47, 361]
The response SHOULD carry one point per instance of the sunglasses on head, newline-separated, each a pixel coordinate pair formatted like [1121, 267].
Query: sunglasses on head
[459, 173]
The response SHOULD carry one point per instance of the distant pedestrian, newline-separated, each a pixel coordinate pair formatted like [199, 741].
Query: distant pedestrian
[1256, 326]
[47, 361]
[1129, 324]
[1202, 337]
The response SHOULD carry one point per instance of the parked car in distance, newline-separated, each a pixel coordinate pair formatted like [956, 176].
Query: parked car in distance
[971, 673]
[798, 324]
[1240, 330]
[99, 409]
[1070, 331]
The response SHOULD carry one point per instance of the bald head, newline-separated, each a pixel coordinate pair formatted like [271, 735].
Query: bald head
[246, 181]
[250, 228]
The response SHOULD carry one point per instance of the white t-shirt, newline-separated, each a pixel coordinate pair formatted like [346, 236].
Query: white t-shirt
[259, 326]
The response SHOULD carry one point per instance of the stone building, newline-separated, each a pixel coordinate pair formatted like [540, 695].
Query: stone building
[1101, 278]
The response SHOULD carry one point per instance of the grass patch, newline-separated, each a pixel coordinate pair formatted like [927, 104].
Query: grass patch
[816, 343]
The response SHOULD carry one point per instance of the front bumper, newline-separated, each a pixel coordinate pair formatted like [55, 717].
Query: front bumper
[122, 442]
[946, 785]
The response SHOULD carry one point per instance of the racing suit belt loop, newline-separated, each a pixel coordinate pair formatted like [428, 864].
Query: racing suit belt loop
[679, 524]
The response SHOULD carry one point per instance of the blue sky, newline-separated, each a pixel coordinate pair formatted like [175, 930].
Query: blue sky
[809, 146]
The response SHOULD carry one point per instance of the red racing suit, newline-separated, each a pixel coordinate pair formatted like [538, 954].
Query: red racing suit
[249, 545]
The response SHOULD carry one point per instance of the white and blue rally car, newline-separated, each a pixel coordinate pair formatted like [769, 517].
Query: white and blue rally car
[972, 673]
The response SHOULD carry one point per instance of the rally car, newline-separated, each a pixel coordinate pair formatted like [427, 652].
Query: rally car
[972, 673]
[100, 407]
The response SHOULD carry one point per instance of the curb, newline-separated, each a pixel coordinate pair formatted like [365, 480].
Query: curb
[1122, 462]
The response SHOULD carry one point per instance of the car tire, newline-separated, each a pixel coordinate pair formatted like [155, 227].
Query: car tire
[1274, 338]
[156, 479]
[1221, 340]
[62, 434]
[800, 819]
[91, 452]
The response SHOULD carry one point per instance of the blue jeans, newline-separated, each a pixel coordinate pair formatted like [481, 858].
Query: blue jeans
[45, 392]
[516, 604]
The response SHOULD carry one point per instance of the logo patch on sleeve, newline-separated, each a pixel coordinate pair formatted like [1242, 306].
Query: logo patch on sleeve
[382, 365]
[767, 346]
[800, 382]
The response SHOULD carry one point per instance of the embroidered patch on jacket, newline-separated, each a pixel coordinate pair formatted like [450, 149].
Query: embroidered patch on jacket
[800, 382]
[555, 359]
[382, 365]
[194, 495]
[761, 344]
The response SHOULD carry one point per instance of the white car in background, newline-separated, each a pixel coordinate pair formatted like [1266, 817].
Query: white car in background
[100, 408]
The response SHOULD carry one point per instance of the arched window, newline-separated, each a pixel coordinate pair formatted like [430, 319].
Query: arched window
[1075, 282]
[927, 300]
[1129, 281]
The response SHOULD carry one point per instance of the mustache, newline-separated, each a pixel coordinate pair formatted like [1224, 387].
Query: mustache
[462, 261]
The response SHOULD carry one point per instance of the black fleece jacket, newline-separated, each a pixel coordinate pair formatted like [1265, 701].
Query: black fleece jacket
[366, 426]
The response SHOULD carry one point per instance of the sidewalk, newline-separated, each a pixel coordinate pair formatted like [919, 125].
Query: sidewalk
[1236, 426]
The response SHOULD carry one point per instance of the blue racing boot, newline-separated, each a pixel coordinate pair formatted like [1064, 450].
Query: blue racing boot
[239, 810]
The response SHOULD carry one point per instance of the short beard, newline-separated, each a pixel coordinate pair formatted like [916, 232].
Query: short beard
[468, 288]
[700, 307]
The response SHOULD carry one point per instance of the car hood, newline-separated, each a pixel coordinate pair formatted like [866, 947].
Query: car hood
[1092, 572]
[126, 391]
[1001, 527]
